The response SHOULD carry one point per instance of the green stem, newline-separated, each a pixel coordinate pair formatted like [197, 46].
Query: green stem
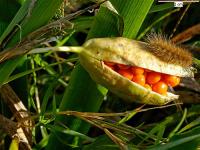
[74, 49]
[179, 125]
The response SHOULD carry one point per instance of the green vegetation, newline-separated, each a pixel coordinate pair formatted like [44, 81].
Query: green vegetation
[49, 101]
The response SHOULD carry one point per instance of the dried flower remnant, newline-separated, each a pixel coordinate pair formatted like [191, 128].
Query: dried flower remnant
[167, 51]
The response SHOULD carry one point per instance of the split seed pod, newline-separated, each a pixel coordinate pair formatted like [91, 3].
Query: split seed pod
[133, 53]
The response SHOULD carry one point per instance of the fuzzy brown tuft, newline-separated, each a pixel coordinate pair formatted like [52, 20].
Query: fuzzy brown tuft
[167, 51]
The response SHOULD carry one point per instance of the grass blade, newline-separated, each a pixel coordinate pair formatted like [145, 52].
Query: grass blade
[133, 15]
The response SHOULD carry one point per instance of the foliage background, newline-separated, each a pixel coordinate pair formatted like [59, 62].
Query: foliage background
[50, 84]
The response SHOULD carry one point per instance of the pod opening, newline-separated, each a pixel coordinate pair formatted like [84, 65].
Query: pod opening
[151, 80]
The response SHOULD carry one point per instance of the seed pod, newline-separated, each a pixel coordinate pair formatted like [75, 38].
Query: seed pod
[128, 52]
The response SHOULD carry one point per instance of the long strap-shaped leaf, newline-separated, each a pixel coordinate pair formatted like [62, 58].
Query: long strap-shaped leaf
[83, 94]
[133, 12]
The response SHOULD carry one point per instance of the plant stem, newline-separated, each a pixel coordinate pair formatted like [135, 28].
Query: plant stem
[74, 49]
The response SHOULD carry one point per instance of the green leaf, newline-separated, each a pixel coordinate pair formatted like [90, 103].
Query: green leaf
[107, 22]
[83, 23]
[133, 12]
[24, 73]
[46, 98]
[39, 61]
[69, 132]
[41, 144]
[102, 143]
[179, 124]
[190, 125]
[7, 68]
[181, 141]
[54, 105]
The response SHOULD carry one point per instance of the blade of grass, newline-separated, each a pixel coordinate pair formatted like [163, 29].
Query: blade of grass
[39, 61]
[54, 105]
[190, 125]
[179, 140]
[41, 144]
[130, 115]
[70, 132]
[46, 97]
[7, 68]
[22, 74]
[172, 133]
[133, 12]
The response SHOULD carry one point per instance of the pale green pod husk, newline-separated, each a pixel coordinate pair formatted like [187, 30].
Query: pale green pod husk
[134, 53]
[124, 88]
[129, 52]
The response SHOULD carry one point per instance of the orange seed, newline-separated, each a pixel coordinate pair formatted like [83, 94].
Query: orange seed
[139, 79]
[126, 73]
[160, 87]
[171, 80]
[137, 70]
[153, 77]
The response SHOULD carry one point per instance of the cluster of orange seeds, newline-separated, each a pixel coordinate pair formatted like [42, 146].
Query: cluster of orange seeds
[155, 81]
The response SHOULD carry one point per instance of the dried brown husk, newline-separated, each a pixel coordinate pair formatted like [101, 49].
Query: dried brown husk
[129, 52]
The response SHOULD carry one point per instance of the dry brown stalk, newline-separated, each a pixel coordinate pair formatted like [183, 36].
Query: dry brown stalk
[20, 112]
[118, 141]
[14, 131]
[187, 34]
